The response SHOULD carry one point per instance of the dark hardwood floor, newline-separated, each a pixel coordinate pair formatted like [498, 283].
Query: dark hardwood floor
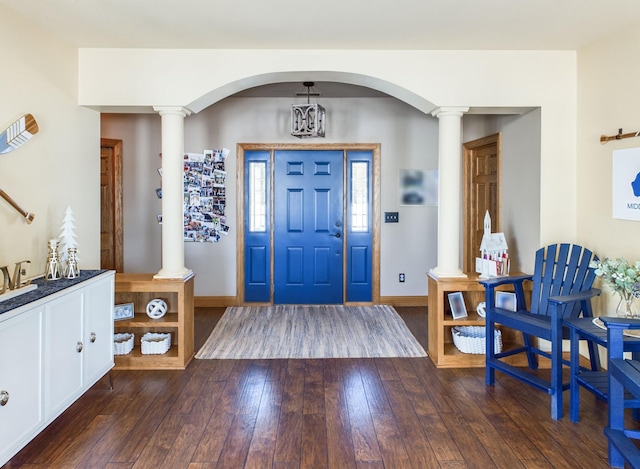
[340, 413]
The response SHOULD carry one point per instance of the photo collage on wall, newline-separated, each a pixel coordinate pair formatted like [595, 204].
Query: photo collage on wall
[205, 196]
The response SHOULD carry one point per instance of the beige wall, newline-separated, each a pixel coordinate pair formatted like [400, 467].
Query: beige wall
[608, 98]
[487, 81]
[47, 79]
[59, 167]
[424, 79]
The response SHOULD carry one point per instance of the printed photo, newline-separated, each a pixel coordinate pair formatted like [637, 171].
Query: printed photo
[123, 311]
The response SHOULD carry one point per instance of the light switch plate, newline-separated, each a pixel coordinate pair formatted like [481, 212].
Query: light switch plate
[391, 217]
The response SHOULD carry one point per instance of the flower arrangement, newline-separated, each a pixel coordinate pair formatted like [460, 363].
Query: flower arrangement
[622, 277]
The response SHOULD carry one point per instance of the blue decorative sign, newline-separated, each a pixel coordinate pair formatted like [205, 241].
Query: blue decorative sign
[626, 184]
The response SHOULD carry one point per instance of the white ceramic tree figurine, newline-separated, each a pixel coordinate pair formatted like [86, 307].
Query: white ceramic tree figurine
[67, 234]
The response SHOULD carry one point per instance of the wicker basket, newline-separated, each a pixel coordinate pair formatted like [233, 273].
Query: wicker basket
[155, 343]
[122, 343]
[472, 339]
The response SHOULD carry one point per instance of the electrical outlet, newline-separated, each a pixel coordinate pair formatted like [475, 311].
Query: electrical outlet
[401, 278]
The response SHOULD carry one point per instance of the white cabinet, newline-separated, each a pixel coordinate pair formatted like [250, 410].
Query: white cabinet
[62, 351]
[20, 380]
[98, 330]
[51, 351]
[78, 333]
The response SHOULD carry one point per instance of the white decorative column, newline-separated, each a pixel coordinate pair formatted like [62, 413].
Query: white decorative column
[450, 191]
[172, 213]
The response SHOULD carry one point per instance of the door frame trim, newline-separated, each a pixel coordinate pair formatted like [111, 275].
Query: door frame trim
[118, 207]
[375, 202]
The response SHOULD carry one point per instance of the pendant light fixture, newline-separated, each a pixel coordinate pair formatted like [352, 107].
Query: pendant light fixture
[307, 120]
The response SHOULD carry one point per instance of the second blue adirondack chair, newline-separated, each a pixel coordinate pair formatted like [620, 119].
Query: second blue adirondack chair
[562, 287]
[624, 382]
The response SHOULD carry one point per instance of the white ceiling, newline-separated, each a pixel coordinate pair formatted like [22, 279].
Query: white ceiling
[330, 24]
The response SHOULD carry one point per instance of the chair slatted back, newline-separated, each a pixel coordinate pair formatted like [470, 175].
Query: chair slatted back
[560, 269]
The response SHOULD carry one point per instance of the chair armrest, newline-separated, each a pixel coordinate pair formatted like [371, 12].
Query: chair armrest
[583, 295]
[495, 281]
[615, 330]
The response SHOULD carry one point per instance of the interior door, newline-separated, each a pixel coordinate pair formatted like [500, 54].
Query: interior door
[481, 193]
[308, 226]
[111, 231]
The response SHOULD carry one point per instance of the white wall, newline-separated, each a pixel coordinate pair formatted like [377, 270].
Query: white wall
[46, 78]
[408, 138]
[521, 184]
[59, 167]
[479, 79]
[609, 73]
[141, 147]
[521, 181]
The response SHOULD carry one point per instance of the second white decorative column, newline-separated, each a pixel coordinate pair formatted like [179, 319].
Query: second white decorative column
[450, 191]
[172, 188]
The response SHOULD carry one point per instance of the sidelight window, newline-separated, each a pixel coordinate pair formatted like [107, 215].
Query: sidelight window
[257, 196]
[359, 196]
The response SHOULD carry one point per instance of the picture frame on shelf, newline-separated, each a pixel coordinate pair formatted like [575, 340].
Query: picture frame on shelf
[123, 312]
[506, 300]
[458, 308]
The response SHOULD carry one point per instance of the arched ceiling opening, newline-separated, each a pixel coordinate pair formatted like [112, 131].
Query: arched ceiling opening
[363, 86]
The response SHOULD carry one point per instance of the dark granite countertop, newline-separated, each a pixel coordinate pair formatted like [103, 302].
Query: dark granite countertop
[46, 288]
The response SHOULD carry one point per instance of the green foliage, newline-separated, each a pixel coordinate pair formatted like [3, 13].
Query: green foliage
[621, 276]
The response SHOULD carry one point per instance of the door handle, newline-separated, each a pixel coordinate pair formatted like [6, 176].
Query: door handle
[337, 235]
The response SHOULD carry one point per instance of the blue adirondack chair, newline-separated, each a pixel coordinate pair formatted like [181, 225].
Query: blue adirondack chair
[624, 375]
[562, 283]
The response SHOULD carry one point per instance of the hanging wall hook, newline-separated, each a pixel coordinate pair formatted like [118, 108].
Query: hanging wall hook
[619, 136]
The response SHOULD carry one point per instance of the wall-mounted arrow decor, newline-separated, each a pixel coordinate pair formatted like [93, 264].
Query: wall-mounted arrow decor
[10, 139]
[18, 133]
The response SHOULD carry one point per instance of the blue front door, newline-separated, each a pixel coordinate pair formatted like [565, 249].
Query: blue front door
[308, 227]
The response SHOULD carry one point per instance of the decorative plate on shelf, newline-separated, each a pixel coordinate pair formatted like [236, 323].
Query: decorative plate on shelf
[156, 308]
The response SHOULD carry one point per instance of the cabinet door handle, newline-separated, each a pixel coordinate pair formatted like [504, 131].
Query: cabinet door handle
[4, 398]
[92, 337]
[79, 346]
